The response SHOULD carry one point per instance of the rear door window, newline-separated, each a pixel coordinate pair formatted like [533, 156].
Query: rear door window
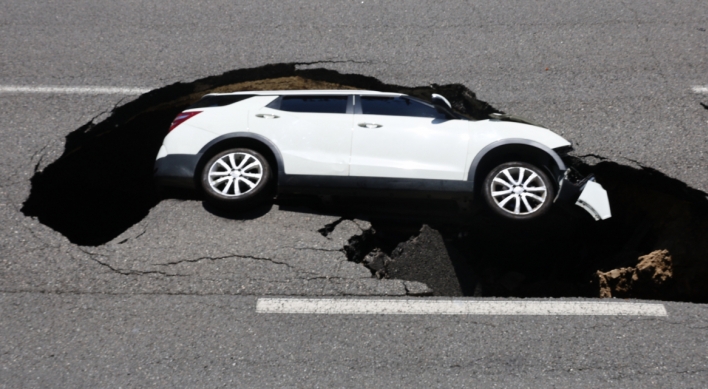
[314, 104]
[398, 106]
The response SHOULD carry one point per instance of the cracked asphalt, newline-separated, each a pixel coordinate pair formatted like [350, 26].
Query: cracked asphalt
[171, 300]
[273, 251]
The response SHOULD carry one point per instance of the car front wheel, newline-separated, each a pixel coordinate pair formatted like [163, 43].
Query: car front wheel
[518, 191]
[236, 177]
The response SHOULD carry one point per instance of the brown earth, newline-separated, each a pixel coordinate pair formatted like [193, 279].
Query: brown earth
[649, 279]
[280, 83]
[276, 83]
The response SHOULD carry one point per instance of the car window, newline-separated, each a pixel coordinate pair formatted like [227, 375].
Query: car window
[398, 106]
[315, 104]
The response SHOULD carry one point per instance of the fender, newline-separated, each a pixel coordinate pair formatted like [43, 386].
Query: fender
[232, 135]
[513, 141]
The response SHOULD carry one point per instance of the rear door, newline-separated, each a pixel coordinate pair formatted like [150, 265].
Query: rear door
[396, 136]
[313, 133]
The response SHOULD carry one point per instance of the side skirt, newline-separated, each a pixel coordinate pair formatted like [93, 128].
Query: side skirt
[368, 186]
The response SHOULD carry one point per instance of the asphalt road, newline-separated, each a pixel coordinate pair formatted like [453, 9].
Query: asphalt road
[220, 341]
[158, 305]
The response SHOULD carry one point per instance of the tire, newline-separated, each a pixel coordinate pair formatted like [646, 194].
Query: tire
[236, 177]
[518, 191]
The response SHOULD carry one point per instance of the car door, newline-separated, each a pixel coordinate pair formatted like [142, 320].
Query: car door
[397, 136]
[313, 133]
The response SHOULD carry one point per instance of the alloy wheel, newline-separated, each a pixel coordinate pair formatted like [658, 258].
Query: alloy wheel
[235, 174]
[519, 190]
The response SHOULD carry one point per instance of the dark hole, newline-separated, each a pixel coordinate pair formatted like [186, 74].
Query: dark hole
[102, 185]
[96, 192]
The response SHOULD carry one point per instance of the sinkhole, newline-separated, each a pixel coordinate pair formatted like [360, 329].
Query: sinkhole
[654, 246]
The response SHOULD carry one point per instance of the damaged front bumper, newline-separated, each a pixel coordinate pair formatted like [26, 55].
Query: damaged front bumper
[585, 193]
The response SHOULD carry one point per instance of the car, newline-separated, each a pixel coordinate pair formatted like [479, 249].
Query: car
[240, 147]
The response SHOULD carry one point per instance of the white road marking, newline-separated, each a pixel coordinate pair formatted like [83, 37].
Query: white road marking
[345, 306]
[86, 90]
[700, 89]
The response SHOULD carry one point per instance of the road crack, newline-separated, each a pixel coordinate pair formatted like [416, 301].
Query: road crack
[134, 237]
[93, 257]
[228, 256]
[317, 249]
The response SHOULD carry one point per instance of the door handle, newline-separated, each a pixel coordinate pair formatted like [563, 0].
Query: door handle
[267, 116]
[369, 125]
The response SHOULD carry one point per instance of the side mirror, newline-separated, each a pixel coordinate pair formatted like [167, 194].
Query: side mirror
[438, 99]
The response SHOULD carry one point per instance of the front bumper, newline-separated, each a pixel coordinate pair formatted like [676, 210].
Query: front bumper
[585, 193]
[176, 170]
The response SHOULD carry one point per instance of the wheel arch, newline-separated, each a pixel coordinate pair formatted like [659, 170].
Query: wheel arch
[524, 150]
[250, 140]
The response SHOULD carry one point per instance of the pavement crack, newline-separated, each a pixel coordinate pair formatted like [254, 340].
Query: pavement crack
[133, 238]
[634, 161]
[193, 260]
[329, 278]
[592, 155]
[317, 249]
[124, 272]
[41, 157]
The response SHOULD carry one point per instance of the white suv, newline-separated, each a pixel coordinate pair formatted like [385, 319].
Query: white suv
[236, 146]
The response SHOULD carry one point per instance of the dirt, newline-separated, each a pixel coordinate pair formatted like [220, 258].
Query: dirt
[277, 83]
[650, 278]
[280, 83]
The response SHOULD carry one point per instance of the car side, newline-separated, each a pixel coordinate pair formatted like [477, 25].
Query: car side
[237, 146]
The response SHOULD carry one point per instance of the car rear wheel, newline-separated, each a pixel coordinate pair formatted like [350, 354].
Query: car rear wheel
[236, 177]
[518, 191]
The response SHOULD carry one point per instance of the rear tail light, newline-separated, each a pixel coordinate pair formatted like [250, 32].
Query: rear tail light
[181, 119]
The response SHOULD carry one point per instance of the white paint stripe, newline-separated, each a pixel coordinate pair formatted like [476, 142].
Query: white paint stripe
[700, 89]
[455, 307]
[87, 90]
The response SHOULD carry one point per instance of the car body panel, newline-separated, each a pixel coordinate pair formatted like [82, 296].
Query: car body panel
[409, 147]
[230, 118]
[162, 152]
[473, 167]
[193, 134]
[310, 143]
[187, 139]
[594, 200]
[486, 132]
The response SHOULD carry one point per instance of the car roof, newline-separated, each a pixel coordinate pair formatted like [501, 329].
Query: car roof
[309, 92]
